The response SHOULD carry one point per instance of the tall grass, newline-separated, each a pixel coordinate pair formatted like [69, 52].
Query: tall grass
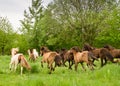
[109, 75]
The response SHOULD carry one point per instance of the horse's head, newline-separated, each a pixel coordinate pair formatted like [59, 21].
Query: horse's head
[14, 51]
[43, 50]
[75, 49]
[108, 47]
[87, 47]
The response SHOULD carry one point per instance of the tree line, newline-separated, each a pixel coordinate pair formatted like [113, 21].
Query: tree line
[63, 24]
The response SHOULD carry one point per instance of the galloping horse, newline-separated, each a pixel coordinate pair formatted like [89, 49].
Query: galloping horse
[81, 57]
[19, 59]
[101, 53]
[50, 57]
[68, 56]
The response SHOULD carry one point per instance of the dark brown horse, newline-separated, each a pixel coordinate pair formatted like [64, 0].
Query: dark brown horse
[82, 57]
[67, 56]
[50, 57]
[114, 52]
[101, 53]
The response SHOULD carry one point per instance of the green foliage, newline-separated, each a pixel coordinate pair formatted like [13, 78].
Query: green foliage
[6, 35]
[63, 24]
[30, 23]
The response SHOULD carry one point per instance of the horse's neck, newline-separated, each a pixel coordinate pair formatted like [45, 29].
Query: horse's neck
[24, 62]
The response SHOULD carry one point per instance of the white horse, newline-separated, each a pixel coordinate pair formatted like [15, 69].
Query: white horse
[35, 53]
[19, 59]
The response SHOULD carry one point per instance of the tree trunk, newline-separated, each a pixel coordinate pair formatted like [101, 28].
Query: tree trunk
[2, 50]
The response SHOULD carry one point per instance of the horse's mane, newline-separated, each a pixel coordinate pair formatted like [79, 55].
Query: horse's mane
[45, 49]
[109, 47]
[76, 48]
[87, 47]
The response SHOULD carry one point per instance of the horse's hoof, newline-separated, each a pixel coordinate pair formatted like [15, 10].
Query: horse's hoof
[70, 68]
[49, 73]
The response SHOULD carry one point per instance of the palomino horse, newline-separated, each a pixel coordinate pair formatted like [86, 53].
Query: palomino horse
[101, 53]
[14, 51]
[19, 59]
[80, 57]
[33, 54]
[50, 57]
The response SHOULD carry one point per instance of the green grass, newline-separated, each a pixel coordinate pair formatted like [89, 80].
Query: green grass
[109, 75]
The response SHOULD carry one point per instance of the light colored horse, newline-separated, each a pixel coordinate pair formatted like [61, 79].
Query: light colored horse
[33, 54]
[14, 51]
[19, 59]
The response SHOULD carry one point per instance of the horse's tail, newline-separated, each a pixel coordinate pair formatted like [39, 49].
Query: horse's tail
[90, 54]
[24, 62]
[58, 60]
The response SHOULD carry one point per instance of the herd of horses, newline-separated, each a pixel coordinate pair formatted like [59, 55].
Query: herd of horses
[74, 55]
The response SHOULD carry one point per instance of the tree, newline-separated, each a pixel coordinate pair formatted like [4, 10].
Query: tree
[82, 17]
[6, 34]
[30, 23]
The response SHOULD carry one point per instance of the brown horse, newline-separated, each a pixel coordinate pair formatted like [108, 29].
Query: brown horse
[101, 53]
[114, 52]
[81, 57]
[50, 57]
[68, 56]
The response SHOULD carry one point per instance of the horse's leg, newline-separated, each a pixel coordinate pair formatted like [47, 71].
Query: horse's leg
[76, 64]
[105, 61]
[10, 66]
[42, 64]
[101, 62]
[64, 63]
[83, 66]
[21, 70]
[55, 66]
[69, 64]
[90, 65]
[51, 68]
[15, 67]
[93, 62]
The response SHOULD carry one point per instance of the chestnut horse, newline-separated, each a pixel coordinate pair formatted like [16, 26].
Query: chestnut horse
[101, 53]
[18, 59]
[81, 57]
[50, 57]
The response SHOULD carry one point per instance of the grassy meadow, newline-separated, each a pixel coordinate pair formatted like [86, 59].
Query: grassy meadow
[109, 75]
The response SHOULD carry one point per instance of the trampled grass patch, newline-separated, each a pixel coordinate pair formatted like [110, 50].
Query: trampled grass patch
[109, 75]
